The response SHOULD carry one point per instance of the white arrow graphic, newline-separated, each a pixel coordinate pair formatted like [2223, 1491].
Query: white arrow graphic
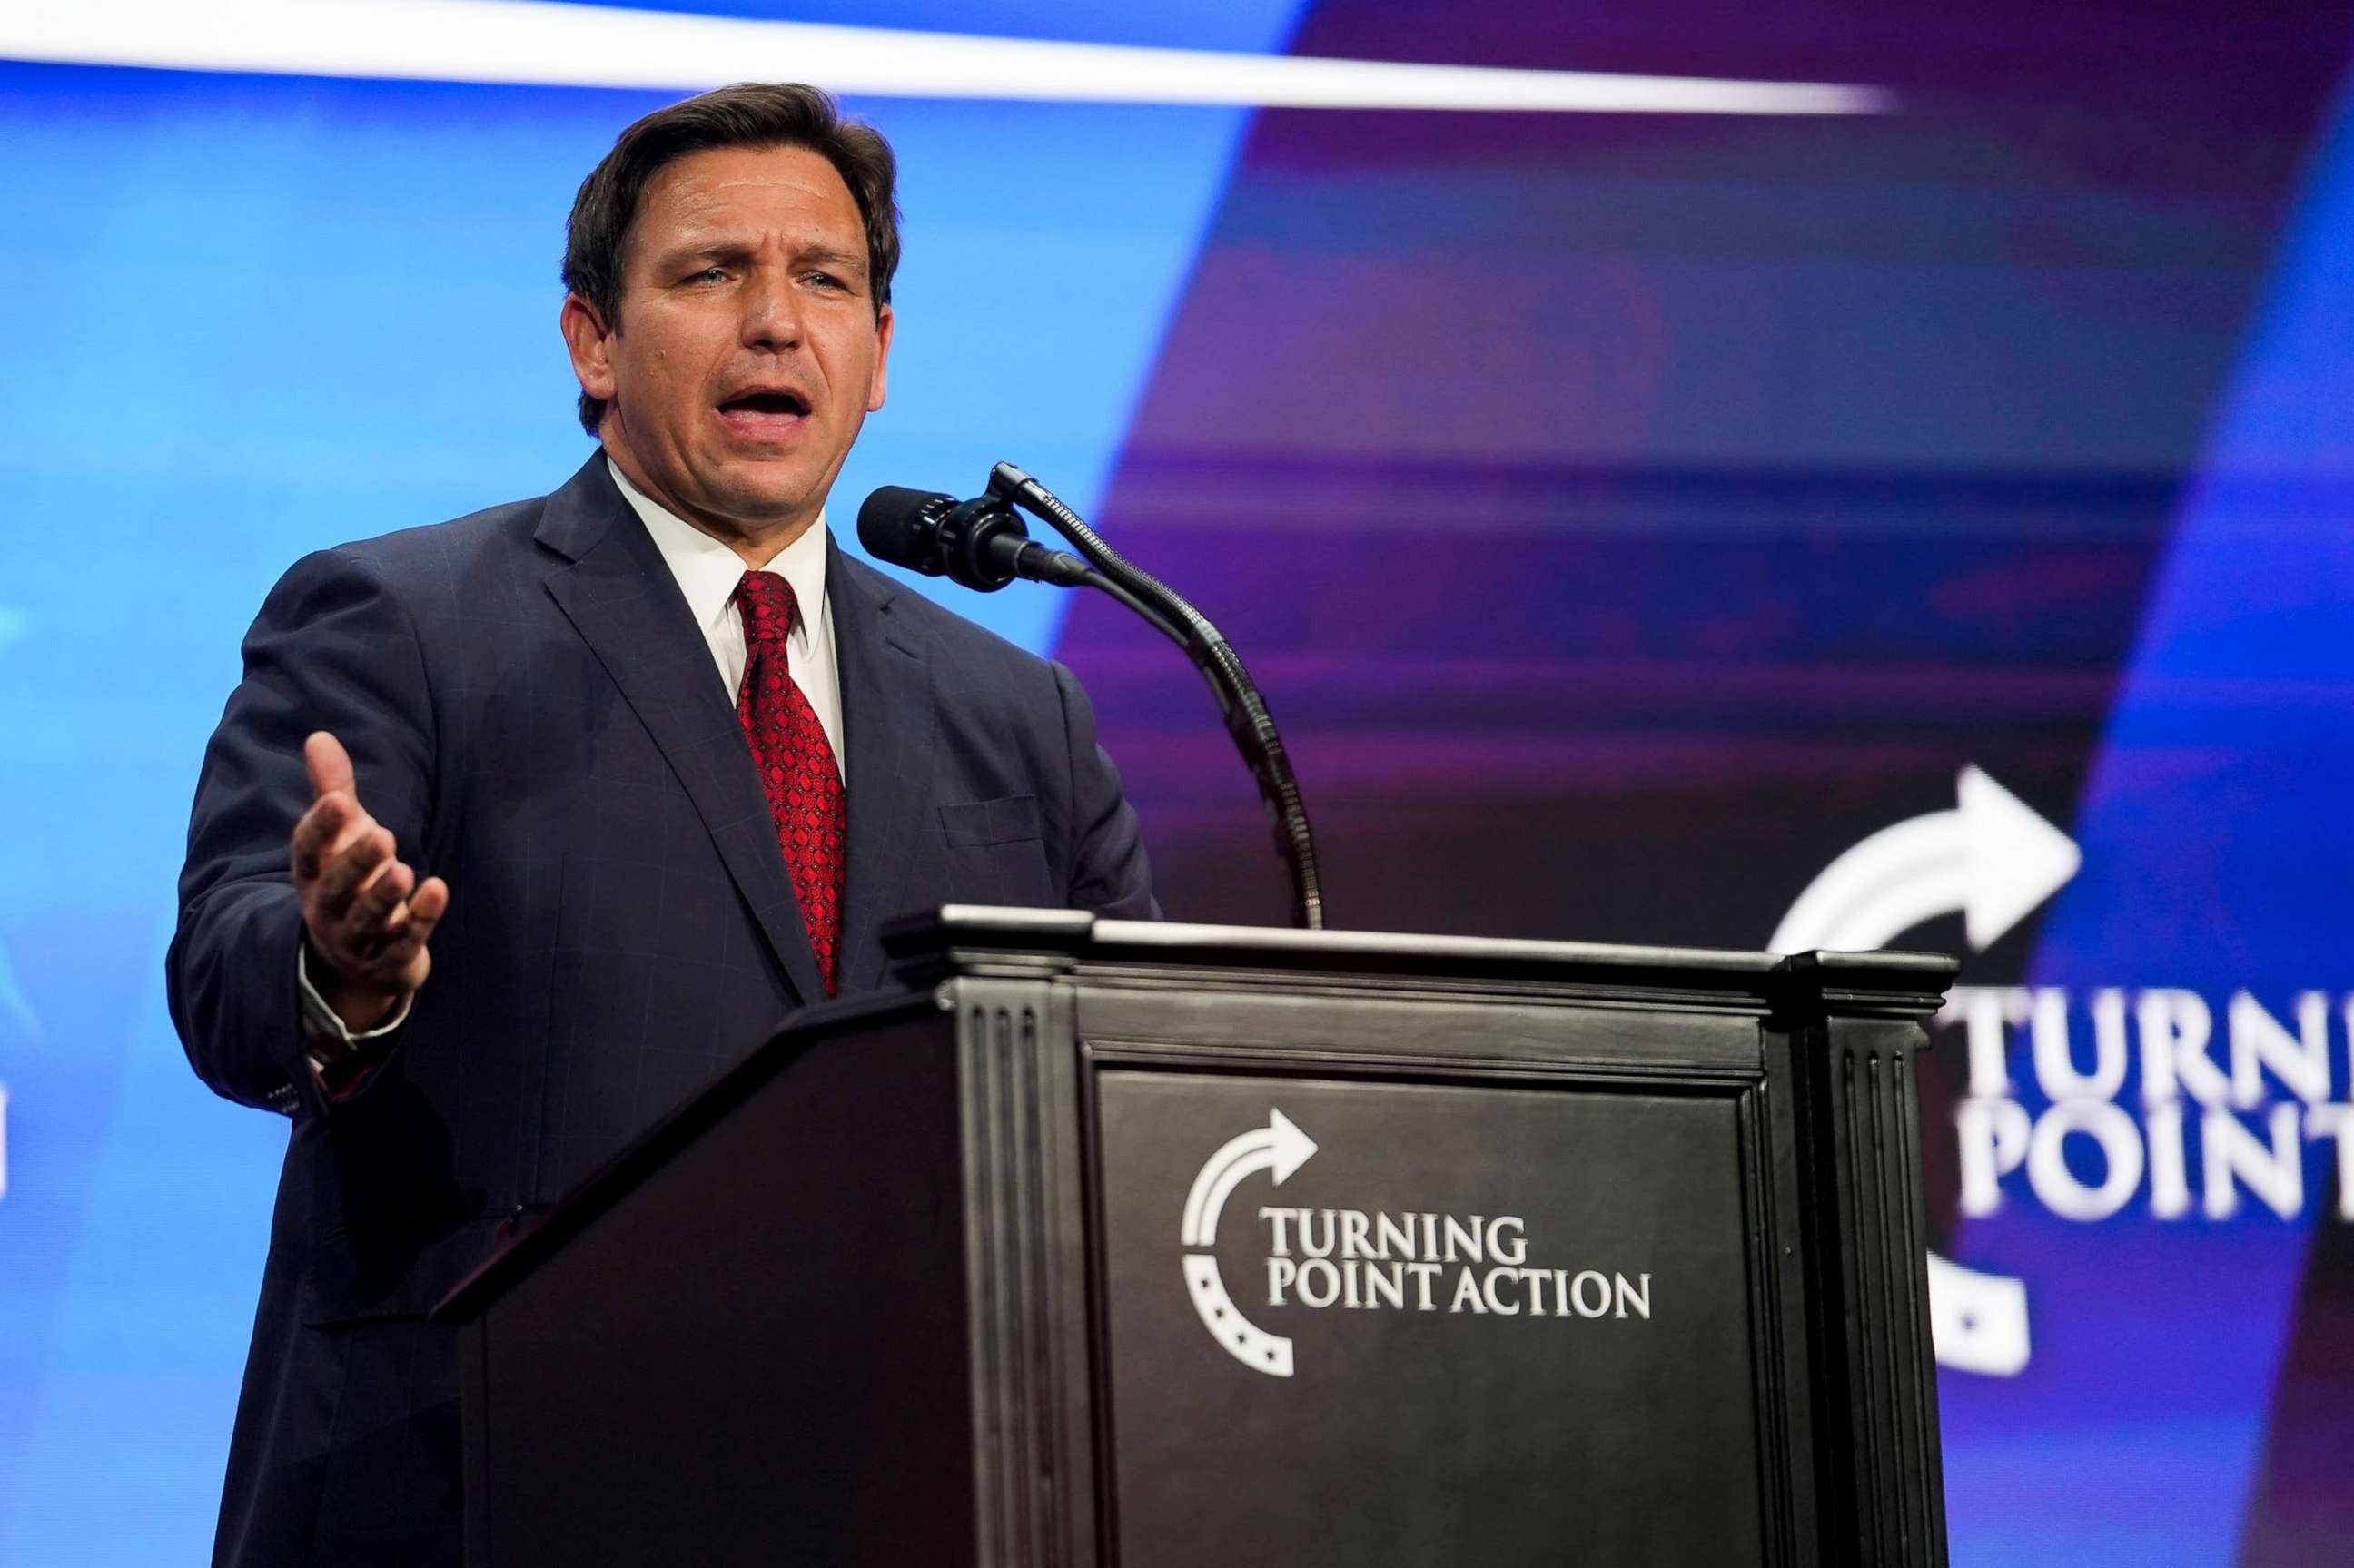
[1994, 860]
[1978, 1321]
[1281, 1148]
[1991, 858]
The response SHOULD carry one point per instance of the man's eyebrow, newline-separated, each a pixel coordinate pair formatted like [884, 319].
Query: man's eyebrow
[695, 250]
[828, 255]
[692, 250]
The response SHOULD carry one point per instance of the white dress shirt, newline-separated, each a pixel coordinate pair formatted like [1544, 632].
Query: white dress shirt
[707, 572]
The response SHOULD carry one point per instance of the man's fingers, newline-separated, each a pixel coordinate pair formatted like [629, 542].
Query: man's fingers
[376, 902]
[323, 831]
[334, 818]
[330, 765]
[349, 870]
[425, 908]
[403, 953]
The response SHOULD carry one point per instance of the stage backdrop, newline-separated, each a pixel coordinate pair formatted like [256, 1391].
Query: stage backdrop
[1919, 519]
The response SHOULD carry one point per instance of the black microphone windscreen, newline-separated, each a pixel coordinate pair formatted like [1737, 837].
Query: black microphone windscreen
[891, 526]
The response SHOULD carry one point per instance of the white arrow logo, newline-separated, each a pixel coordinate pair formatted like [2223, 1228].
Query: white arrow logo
[1280, 1147]
[1992, 860]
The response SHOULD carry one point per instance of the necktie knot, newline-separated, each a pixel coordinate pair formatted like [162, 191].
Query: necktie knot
[766, 602]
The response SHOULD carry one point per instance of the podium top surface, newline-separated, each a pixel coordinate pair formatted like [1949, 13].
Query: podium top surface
[963, 937]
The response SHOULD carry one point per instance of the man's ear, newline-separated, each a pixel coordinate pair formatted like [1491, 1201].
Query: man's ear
[588, 339]
[882, 359]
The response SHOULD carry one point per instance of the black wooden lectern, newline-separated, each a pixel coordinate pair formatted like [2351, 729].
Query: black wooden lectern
[1116, 1244]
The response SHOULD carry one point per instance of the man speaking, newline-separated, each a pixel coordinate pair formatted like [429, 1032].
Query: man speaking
[520, 827]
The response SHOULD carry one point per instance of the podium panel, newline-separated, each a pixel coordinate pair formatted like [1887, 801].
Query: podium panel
[1537, 1301]
[1112, 1243]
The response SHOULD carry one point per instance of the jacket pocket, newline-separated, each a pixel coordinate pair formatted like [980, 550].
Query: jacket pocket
[971, 824]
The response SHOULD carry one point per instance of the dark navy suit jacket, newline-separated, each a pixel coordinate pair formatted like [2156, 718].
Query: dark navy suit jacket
[531, 710]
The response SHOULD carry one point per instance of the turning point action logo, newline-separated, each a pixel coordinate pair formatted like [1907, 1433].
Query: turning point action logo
[2215, 1118]
[1396, 1262]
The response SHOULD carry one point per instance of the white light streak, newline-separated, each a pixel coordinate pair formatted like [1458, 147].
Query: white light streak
[537, 43]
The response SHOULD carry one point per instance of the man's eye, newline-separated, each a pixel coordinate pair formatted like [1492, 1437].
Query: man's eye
[826, 281]
[709, 275]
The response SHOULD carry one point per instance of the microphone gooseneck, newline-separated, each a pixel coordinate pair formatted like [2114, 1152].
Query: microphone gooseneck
[1239, 703]
[982, 545]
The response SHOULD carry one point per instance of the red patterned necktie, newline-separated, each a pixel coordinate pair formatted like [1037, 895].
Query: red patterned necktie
[796, 768]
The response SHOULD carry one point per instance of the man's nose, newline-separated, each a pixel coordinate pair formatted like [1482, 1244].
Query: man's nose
[772, 318]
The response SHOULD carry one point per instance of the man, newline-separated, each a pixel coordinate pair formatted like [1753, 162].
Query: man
[520, 827]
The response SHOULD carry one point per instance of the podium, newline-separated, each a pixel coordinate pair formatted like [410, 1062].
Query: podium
[1106, 1242]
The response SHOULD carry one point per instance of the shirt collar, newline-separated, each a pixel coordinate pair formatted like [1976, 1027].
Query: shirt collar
[707, 570]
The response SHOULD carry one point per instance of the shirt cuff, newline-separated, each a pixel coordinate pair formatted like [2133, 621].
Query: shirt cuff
[340, 1058]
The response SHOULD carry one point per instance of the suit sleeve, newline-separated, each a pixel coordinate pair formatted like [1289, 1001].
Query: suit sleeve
[1109, 871]
[332, 649]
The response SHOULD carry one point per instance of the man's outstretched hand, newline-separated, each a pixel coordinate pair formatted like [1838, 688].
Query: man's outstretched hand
[366, 914]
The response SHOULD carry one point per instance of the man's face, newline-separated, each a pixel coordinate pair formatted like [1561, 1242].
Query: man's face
[747, 353]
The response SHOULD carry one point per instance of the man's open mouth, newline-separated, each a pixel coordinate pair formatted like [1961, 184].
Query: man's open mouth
[768, 405]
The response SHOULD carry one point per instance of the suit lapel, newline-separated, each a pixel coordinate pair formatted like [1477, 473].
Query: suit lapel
[888, 722]
[622, 598]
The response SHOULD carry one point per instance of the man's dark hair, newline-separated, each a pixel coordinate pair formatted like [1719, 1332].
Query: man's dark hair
[749, 114]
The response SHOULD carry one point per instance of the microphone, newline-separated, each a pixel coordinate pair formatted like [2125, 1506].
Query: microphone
[981, 543]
